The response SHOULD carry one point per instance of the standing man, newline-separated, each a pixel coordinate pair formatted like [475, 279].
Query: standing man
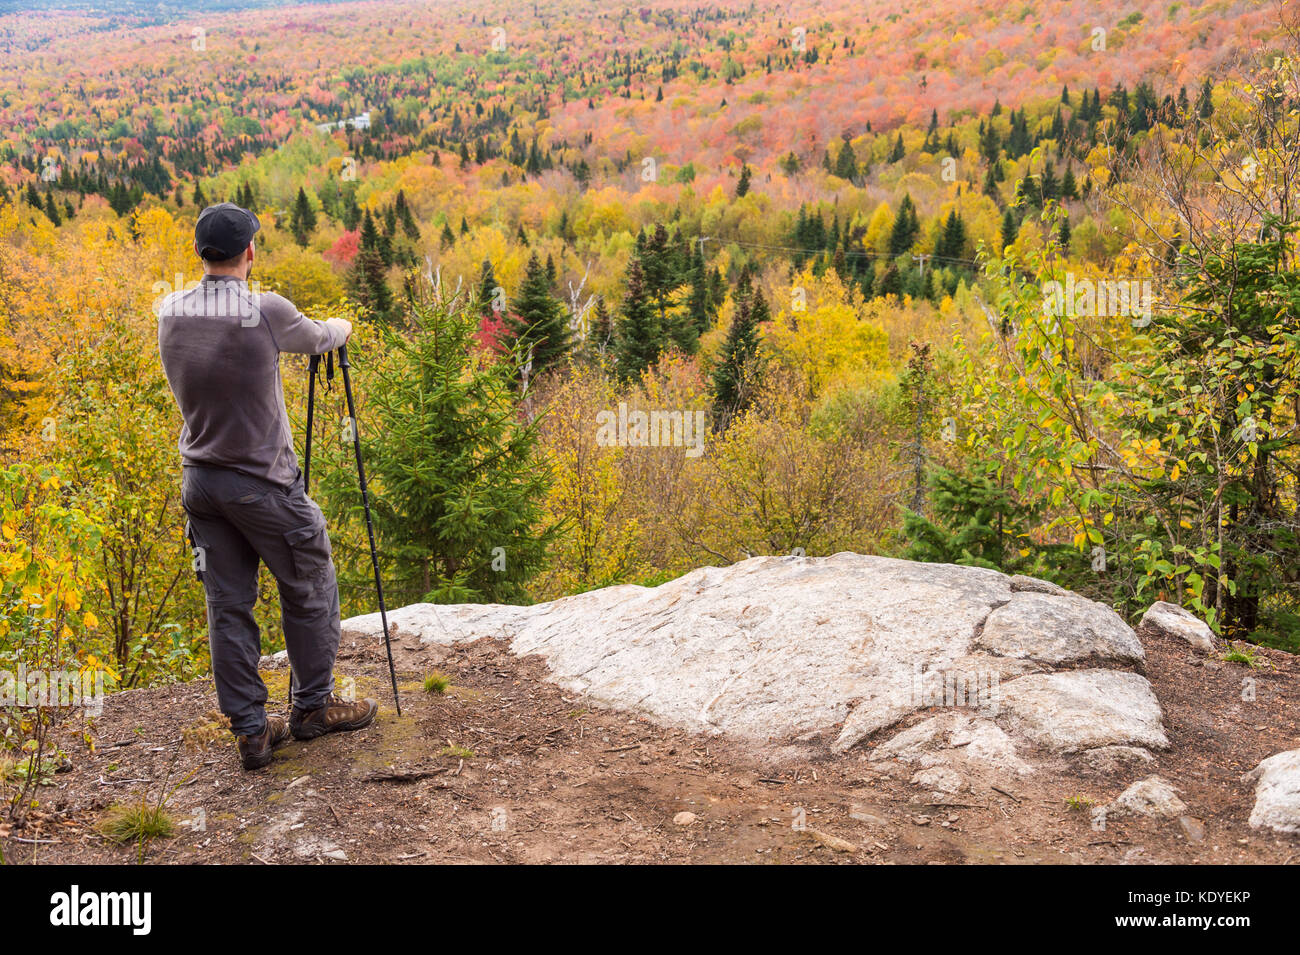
[242, 489]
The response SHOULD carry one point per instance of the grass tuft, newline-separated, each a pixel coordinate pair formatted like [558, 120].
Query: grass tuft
[1243, 655]
[140, 823]
[437, 683]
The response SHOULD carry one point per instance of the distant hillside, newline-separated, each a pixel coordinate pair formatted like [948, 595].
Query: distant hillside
[140, 12]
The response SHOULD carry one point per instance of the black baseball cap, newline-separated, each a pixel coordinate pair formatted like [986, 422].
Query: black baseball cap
[224, 231]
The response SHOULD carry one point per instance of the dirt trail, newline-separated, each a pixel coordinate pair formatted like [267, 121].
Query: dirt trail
[505, 767]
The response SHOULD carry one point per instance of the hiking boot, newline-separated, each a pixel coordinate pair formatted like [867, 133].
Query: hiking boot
[255, 751]
[336, 716]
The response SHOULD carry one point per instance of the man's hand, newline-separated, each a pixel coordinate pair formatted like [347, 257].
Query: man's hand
[341, 323]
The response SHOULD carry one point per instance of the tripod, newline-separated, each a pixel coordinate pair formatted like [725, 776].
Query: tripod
[312, 371]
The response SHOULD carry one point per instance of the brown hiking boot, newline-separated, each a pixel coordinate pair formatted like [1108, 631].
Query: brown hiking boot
[255, 751]
[336, 716]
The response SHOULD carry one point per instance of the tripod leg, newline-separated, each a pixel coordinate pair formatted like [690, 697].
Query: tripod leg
[370, 529]
[312, 364]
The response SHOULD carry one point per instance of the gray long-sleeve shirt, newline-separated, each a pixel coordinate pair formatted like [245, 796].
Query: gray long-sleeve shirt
[220, 345]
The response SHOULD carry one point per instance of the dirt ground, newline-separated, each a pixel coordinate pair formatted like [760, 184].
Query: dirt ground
[506, 768]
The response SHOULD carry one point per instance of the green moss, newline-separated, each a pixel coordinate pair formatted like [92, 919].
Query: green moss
[277, 684]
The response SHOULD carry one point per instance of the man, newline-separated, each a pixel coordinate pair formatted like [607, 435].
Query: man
[242, 489]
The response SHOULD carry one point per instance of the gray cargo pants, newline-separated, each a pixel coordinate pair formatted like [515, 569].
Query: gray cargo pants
[235, 520]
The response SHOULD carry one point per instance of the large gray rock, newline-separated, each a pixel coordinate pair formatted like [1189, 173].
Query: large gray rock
[1114, 759]
[954, 750]
[842, 647]
[1085, 709]
[1153, 796]
[1277, 792]
[1035, 585]
[1172, 620]
[1058, 629]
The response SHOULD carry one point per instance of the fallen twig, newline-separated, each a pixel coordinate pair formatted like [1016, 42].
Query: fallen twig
[399, 777]
[832, 842]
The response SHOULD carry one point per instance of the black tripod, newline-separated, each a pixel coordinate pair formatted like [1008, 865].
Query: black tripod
[312, 371]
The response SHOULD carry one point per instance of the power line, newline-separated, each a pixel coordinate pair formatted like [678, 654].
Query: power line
[847, 252]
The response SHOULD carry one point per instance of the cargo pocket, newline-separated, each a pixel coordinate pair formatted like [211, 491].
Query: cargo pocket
[309, 547]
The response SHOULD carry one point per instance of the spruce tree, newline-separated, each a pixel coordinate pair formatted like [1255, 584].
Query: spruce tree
[661, 271]
[898, 152]
[977, 522]
[405, 217]
[1069, 187]
[699, 304]
[846, 163]
[906, 227]
[639, 337]
[735, 374]
[487, 287]
[600, 338]
[351, 211]
[1204, 102]
[538, 318]
[742, 184]
[367, 281]
[1010, 229]
[1050, 185]
[455, 473]
[303, 220]
[952, 240]
[991, 184]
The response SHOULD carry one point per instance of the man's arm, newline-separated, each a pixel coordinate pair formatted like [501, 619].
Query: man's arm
[297, 334]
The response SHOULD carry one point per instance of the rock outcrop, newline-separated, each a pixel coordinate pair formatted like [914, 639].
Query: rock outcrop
[1152, 796]
[1277, 792]
[835, 650]
[1172, 620]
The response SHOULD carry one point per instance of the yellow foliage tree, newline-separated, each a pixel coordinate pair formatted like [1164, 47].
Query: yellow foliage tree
[831, 342]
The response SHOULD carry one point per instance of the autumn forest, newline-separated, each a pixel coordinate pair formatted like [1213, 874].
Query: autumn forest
[638, 289]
